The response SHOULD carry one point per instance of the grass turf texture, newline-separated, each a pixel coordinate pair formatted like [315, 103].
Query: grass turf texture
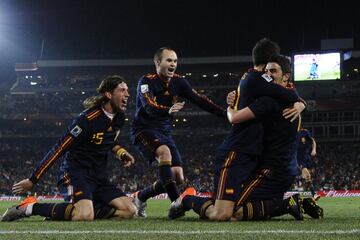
[342, 221]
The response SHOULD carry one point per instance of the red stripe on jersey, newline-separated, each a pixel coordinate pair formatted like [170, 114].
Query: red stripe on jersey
[93, 114]
[151, 76]
[67, 141]
[252, 185]
[153, 103]
[223, 175]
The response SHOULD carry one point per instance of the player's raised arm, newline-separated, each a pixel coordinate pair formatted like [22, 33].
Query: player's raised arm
[201, 100]
[259, 109]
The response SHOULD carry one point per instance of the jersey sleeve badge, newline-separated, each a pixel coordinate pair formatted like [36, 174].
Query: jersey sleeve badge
[144, 88]
[76, 131]
[267, 77]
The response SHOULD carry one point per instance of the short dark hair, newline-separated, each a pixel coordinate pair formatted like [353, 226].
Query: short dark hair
[283, 61]
[263, 50]
[158, 53]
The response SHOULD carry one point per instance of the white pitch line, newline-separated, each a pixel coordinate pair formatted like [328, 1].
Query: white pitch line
[50, 232]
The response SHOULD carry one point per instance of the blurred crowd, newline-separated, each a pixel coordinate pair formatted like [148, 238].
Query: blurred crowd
[336, 166]
[33, 117]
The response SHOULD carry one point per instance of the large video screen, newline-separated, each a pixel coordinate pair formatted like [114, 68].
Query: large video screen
[317, 66]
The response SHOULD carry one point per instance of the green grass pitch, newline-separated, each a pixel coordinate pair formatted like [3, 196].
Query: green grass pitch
[342, 221]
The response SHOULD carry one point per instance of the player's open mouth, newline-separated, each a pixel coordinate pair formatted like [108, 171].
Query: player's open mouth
[171, 70]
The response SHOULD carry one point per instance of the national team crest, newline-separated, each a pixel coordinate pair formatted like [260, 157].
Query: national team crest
[267, 77]
[144, 88]
[76, 131]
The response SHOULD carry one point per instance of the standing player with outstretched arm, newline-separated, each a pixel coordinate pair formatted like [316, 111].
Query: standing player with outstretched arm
[86, 145]
[157, 100]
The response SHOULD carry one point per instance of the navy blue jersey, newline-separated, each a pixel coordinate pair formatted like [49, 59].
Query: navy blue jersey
[155, 97]
[86, 143]
[304, 139]
[247, 137]
[280, 134]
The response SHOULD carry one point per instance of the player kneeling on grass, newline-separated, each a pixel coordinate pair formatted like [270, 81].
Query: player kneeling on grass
[261, 195]
[89, 139]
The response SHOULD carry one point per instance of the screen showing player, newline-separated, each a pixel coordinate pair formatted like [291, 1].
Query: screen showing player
[317, 66]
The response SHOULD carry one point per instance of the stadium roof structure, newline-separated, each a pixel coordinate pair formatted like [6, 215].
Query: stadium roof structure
[140, 61]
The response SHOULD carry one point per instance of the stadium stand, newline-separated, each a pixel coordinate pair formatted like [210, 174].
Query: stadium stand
[36, 109]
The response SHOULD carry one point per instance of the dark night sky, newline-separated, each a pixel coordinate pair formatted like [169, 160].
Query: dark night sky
[136, 28]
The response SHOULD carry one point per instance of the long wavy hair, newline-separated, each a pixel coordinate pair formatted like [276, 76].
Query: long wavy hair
[106, 85]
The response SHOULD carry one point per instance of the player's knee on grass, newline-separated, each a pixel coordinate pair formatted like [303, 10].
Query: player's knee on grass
[84, 215]
[83, 211]
[222, 210]
[130, 210]
[220, 215]
[125, 208]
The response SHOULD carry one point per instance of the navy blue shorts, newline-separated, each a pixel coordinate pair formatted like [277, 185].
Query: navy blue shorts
[306, 163]
[148, 141]
[232, 170]
[88, 184]
[265, 184]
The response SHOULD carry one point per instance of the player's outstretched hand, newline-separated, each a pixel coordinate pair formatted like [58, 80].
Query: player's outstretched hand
[313, 153]
[22, 186]
[294, 111]
[127, 159]
[176, 107]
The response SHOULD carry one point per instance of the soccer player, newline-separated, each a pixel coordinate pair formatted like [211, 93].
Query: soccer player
[279, 69]
[306, 144]
[262, 195]
[237, 157]
[86, 144]
[305, 153]
[314, 70]
[157, 100]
